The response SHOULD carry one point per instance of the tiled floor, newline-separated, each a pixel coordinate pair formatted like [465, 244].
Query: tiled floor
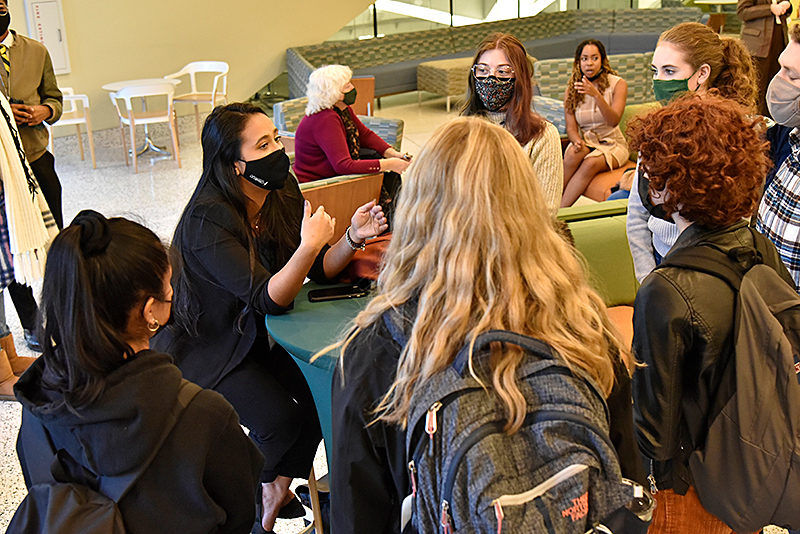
[156, 197]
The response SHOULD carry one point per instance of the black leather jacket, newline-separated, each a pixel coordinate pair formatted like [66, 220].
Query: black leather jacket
[683, 328]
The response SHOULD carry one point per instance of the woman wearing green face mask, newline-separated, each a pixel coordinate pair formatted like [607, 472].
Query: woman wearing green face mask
[330, 139]
[688, 57]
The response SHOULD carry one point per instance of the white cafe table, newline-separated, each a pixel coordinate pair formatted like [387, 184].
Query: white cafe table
[148, 143]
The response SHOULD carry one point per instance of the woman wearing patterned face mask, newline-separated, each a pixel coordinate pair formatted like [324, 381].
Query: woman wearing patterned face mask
[500, 90]
[593, 104]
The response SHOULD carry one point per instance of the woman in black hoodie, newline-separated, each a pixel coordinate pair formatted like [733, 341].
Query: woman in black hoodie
[104, 398]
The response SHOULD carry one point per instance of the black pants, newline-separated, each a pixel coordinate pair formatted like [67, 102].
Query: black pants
[44, 170]
[272, 398]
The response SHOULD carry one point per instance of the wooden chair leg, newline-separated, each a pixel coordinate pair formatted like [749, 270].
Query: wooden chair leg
[124, 143]
[175, 120]
[80, 141]
[91, 138]
[314, 496]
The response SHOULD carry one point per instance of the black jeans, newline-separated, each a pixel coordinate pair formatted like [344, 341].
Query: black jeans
[44, 170]
[273, 400]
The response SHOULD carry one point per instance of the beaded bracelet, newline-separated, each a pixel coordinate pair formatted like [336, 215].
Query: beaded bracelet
[351, 244]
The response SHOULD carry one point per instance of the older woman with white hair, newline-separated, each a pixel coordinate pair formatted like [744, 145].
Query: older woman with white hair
[330, 138]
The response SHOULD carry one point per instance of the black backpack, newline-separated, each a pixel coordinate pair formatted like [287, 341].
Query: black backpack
[558, 474]
[752, 448]
[76, 500]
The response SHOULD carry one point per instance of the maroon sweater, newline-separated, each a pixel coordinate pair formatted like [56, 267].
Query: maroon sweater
[320, 147]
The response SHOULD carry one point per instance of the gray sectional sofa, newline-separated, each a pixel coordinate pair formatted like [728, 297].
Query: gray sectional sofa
[393, 59]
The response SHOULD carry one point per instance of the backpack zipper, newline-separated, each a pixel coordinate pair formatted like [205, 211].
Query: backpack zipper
[412, 471]
[495, 427]
[541, 489]
[651, 478]
[531, 494]
[431, 425]
[444, 402]
[446, 521]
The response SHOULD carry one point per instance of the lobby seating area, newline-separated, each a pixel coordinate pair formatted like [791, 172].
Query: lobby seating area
[394, 59]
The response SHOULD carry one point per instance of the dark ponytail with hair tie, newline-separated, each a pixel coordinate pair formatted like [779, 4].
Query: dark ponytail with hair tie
[99, 271]
[95, 232]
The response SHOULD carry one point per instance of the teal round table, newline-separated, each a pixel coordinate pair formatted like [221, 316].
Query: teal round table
[307, 329]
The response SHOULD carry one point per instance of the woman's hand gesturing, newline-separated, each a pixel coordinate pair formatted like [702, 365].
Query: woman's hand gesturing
[368, 221]
[585, 87]
[317, 229]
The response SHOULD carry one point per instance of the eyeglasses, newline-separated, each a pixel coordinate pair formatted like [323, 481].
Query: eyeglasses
[503, 73]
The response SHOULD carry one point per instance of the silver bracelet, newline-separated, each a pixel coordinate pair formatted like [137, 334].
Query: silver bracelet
[351, 244]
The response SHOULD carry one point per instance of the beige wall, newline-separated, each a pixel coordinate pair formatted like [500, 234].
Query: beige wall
[114, 40]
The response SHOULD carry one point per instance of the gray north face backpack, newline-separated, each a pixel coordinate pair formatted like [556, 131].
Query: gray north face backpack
[558, 474]
[753, 444]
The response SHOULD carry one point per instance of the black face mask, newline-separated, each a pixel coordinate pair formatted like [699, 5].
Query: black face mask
[656, 210]
[350, 97]
[269, 172]
[596, 76]
[5, 22]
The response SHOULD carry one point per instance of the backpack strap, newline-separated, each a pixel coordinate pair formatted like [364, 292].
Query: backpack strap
[390, 319]
[65, 469]
[115, 488]
[708, 259]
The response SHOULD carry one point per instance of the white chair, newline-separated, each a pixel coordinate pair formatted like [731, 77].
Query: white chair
[219, 87]
[73, 114]
[142, 116]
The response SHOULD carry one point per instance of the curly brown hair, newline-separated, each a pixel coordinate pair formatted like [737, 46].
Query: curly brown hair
[733, 71]
[708, 153]
[574, 98]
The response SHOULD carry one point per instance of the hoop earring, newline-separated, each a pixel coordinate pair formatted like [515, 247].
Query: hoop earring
[153, 327]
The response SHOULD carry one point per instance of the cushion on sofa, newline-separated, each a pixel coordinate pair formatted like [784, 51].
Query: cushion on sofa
[635, 70]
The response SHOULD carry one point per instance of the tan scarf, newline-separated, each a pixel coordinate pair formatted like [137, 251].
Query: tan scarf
[30, 224]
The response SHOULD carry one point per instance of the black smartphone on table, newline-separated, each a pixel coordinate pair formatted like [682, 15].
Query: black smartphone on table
[351, 291]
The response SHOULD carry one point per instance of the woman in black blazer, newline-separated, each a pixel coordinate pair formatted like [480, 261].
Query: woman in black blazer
[245, 242]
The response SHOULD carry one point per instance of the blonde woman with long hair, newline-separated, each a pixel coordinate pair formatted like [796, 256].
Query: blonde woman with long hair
[474, 249]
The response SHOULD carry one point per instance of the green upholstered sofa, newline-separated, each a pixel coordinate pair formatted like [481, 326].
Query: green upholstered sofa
[600, 236]
[393, 59]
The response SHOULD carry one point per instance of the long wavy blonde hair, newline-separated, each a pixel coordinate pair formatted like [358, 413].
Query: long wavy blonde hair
[474, 246]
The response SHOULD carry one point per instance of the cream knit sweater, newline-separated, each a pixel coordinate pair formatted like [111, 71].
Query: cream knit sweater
[546, 160]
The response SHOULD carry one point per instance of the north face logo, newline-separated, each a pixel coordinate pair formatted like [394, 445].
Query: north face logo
[579, 508]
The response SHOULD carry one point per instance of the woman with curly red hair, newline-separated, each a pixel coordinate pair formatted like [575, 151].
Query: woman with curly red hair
[705, 159]
[689, 57]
